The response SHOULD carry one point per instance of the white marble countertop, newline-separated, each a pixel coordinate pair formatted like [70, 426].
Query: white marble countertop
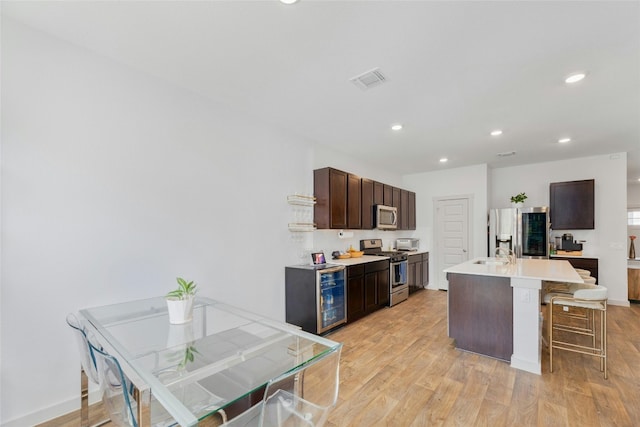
[543, 269]
[355, 261]
[418, 252]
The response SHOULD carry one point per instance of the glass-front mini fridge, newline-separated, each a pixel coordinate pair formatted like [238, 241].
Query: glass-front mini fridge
[315, 297]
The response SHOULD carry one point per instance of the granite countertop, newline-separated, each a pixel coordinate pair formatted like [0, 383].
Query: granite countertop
[543, 269]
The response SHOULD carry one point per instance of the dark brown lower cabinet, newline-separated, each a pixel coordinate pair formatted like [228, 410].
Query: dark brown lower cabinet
[367, 288]
[418, 272]
[481, 314]
[355, 293]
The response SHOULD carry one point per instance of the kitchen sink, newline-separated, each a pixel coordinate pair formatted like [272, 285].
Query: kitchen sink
[492, 261]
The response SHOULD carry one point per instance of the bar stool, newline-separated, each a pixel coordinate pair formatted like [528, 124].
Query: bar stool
[582, 305]
[582, 272]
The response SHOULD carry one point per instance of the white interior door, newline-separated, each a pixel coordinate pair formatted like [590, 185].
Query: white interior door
[452, 235]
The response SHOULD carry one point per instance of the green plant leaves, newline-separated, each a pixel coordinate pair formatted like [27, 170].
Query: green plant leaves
[185, 289]
[519, 198]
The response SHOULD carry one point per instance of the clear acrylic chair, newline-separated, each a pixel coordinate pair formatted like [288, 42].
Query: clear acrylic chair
[89, 368]
[300, 397]
[116, 395]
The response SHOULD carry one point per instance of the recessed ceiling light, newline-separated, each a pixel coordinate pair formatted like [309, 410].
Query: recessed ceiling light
[288, 1]
[496, 132]
[444, 160]
[397, 126]
[564, 140]
[575, 77]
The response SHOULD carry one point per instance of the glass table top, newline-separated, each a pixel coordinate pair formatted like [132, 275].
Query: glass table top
[194, 369]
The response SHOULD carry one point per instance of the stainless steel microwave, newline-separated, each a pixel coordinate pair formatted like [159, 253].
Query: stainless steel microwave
[386, 217]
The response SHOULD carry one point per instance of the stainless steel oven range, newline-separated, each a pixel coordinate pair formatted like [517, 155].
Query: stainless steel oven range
[398, 265]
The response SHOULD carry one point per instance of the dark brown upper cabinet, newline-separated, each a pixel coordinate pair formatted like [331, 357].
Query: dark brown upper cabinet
[330, 189]
[395, 202]
[412, 211]
[378, 193]
[403, 211]
[354, 202]
[572, 205]
[338, 199]
[387, 197]
[346, 201]
[367, 187]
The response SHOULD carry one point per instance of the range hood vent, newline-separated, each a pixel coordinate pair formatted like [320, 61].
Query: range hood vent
[369, 79]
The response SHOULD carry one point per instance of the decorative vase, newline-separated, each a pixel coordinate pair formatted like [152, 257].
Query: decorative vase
[632, 248]
[180, 310]
[517, 204]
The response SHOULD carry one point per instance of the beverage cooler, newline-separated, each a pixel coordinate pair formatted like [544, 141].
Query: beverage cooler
[525, 231]
[315, 297]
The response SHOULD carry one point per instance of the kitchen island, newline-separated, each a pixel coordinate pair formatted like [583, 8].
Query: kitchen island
[494, 307]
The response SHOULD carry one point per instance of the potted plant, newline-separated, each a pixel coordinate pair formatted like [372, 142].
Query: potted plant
[518, 200]
[180, 302]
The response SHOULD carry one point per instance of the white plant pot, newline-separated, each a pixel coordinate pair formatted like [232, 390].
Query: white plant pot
[180, 310]
[517, 205]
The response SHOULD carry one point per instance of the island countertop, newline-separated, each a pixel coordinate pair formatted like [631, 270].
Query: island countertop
[543, 269]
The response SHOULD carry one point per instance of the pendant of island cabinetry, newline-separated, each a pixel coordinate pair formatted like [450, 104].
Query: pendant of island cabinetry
[346, 201]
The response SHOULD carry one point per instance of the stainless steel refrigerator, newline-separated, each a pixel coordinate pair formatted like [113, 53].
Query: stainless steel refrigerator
[525, 231]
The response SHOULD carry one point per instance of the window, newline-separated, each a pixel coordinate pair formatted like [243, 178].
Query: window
[633, 217]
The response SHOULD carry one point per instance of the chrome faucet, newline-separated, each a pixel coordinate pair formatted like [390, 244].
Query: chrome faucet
[510, 256]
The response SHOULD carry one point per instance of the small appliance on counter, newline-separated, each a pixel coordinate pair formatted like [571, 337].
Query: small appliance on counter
[567, 244]
[407, 244]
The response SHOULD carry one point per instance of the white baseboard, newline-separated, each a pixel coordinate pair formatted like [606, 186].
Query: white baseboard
[624, 303]
[51, 412]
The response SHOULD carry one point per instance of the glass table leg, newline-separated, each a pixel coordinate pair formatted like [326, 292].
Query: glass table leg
[144, 406]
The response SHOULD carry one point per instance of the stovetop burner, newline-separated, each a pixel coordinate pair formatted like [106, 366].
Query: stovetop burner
[374, 247]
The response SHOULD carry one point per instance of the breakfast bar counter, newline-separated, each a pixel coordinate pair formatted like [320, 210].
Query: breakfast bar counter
[494, 306]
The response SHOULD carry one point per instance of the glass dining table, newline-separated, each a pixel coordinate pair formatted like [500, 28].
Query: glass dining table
[218, 363]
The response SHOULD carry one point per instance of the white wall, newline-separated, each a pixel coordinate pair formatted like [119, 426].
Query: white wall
[608, 241]
[633, 195]
[113, 184]
[467, 181]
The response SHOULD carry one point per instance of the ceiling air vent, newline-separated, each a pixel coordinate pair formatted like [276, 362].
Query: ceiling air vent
[369, 79]
[506, 154]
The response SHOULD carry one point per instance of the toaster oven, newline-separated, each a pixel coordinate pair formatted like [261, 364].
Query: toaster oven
[407, 244]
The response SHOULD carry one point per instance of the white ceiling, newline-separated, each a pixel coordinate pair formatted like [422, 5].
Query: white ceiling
[456, 70]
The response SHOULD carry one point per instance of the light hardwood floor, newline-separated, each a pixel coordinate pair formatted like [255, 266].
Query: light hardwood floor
[399, 368]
